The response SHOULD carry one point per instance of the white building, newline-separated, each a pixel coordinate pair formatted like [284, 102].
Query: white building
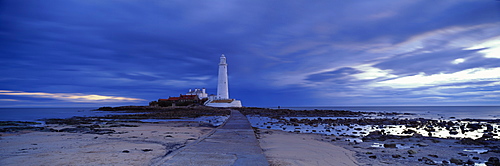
[222, 88]
[222, 99]
[201, 93]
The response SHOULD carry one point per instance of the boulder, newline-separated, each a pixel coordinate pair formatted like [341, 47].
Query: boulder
[433, 155]
[474, 126]
[493, 161]
[412, 152]
[396, 156]
[389, 145]
[470, 162]
[456, 161]
[428, 161]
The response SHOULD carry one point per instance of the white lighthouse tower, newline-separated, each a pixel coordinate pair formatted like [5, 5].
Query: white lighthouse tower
[222, 99]
[222, 88]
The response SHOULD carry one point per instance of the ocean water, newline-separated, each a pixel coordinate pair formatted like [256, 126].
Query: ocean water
[34, 114]
[432, 112]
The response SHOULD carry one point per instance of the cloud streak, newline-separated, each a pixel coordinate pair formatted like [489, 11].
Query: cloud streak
[70, 97]
[420, 80]
[329, 52]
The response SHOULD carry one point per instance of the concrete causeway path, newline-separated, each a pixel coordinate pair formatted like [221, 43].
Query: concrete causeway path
[232, 144]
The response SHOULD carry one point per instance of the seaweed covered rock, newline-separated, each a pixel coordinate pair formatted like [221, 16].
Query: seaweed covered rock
[493, 161]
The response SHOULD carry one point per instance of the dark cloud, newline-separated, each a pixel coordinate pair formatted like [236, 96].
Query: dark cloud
[339, 75]
[153, 49]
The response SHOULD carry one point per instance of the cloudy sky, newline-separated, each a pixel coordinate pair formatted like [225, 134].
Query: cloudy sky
[287, 53]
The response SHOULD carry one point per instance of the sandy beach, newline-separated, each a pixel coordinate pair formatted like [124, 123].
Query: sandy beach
[289, 148]
[141, 145]
[283, 148]
[150, 142]
[134, 143]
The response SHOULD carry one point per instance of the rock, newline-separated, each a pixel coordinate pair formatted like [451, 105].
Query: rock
[78, 129]
[101, 131]
[147, 150]
[493, 161]
[417, 135]
[94, 126]
[468, 141]
[487, 136]
[433, 155]
[389, 145]
[456, 161]
[412, 152]
[125, 151]
[474, 126]
[409, 131]
[462, 154]
[372, 157]
[369, 153]
[428, 161]
[436, 141]
[422, 144]
[470, 162]
[475, 158]
[396, 156]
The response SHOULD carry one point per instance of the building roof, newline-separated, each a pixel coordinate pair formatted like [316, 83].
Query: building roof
[181, 97]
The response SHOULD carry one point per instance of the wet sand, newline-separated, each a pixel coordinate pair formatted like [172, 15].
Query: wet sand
[283, 148]
[140, 145]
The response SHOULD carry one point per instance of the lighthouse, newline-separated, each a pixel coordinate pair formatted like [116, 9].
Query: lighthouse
[222, 98]
[222, 87]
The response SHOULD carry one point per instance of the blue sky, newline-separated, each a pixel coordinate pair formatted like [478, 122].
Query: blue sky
[287, 53]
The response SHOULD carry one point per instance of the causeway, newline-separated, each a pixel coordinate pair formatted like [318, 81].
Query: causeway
[234, 143]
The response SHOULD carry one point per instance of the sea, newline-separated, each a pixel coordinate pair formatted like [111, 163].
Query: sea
[429, 112]
[433, 112]
[36, 114]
